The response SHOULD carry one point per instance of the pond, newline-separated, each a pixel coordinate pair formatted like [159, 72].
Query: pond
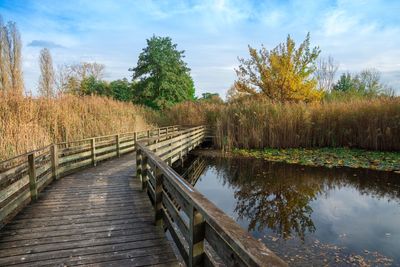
[307, 216]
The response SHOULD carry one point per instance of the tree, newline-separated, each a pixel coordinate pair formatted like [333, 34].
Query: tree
[93, 86]
[211, 97]
[70, 77]
[367, 83]
[282, 74]
[345, 83]
[162, 77]
[325, 74]
[121, 90]
[11, 79]
[46, 79]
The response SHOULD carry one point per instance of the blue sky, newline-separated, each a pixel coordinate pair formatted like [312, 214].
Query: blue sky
[358, 34]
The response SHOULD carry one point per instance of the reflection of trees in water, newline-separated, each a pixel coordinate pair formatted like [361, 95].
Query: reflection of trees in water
[278, 196]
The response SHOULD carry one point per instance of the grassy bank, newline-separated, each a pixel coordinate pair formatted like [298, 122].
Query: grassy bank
[328, 157]
[27, 123]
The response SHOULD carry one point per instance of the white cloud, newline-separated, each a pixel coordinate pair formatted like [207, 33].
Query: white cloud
[358, 34]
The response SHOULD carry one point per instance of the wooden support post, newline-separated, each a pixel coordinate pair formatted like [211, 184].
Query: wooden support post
[181, 157]
[196, 238]
[117, 145]
[148, 134]
[135, 136]
[93, 149]
[158, 189]
[145, 169]
[138, 164]
[32, 176]
[167, 131]
[54, 161]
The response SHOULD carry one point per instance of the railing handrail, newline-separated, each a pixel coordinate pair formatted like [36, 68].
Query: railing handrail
[81, 140]
[244, 249]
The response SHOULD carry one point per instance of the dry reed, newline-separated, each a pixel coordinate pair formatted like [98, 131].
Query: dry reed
[365, 123]
[27, 123]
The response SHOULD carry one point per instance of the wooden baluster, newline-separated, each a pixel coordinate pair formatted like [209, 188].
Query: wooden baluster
[54, 161]
[139, 163]
[158, 189]
[117, 145]
[196, 238]
[93, 149]
[145, 168]
[32, 176]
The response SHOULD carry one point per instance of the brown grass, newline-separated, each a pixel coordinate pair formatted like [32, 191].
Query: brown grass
[369, 124]
[27, 123]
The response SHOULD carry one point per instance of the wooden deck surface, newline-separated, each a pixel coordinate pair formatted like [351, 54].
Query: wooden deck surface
[95, 217]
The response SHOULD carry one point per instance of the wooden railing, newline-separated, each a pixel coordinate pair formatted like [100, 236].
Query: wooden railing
[203, 234]
[24, 176]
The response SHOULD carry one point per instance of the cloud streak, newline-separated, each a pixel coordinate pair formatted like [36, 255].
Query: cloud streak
[43, 43]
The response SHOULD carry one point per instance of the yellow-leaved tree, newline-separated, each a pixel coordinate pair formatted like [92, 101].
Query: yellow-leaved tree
[283, 74]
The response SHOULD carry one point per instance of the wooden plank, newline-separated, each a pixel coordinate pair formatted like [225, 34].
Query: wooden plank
[68, 159]
[179, 242]
[176, 196]
[14, 205]
[13, 174]
[13, 188]
[74, 166]
[174, 214]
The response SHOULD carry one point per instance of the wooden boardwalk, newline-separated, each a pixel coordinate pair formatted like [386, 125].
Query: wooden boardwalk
[95, 217]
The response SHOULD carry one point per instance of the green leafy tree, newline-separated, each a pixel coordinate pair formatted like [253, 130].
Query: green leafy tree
[284, 73]
[367, 83]
[345, 83]
[162, 77]
[121, 90]
[92, 86]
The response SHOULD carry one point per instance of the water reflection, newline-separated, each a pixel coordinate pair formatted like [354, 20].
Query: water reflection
[296, 202]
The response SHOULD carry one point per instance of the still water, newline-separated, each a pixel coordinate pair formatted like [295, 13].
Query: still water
[308, 216]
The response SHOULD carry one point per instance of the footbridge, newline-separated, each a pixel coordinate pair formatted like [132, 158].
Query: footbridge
[115, 201]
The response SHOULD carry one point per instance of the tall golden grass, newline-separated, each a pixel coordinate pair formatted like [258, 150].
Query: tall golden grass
[372, 124]
[27, 123]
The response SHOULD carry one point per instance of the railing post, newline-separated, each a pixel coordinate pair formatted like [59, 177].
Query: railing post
[135, 136]
[117, 145]
[159, 132]
[32, 176]
[54, 161]
[93, 149]
[138, 163]
[145, 169]
[166, 131]
[196, 238]
[158, 220]
[148, 133]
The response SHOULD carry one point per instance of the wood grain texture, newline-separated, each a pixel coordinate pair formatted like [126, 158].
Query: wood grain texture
[96, 217]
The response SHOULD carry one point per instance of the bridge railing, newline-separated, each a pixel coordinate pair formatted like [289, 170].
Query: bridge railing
[203, 234]
[24, 176]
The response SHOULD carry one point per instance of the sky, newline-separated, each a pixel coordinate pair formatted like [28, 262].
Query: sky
[358, 34]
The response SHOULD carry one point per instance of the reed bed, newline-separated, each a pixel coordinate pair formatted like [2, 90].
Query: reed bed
[372, 124]
[27, 123]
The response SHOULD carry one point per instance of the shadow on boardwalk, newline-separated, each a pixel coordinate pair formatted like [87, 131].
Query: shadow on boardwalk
[98, 216]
